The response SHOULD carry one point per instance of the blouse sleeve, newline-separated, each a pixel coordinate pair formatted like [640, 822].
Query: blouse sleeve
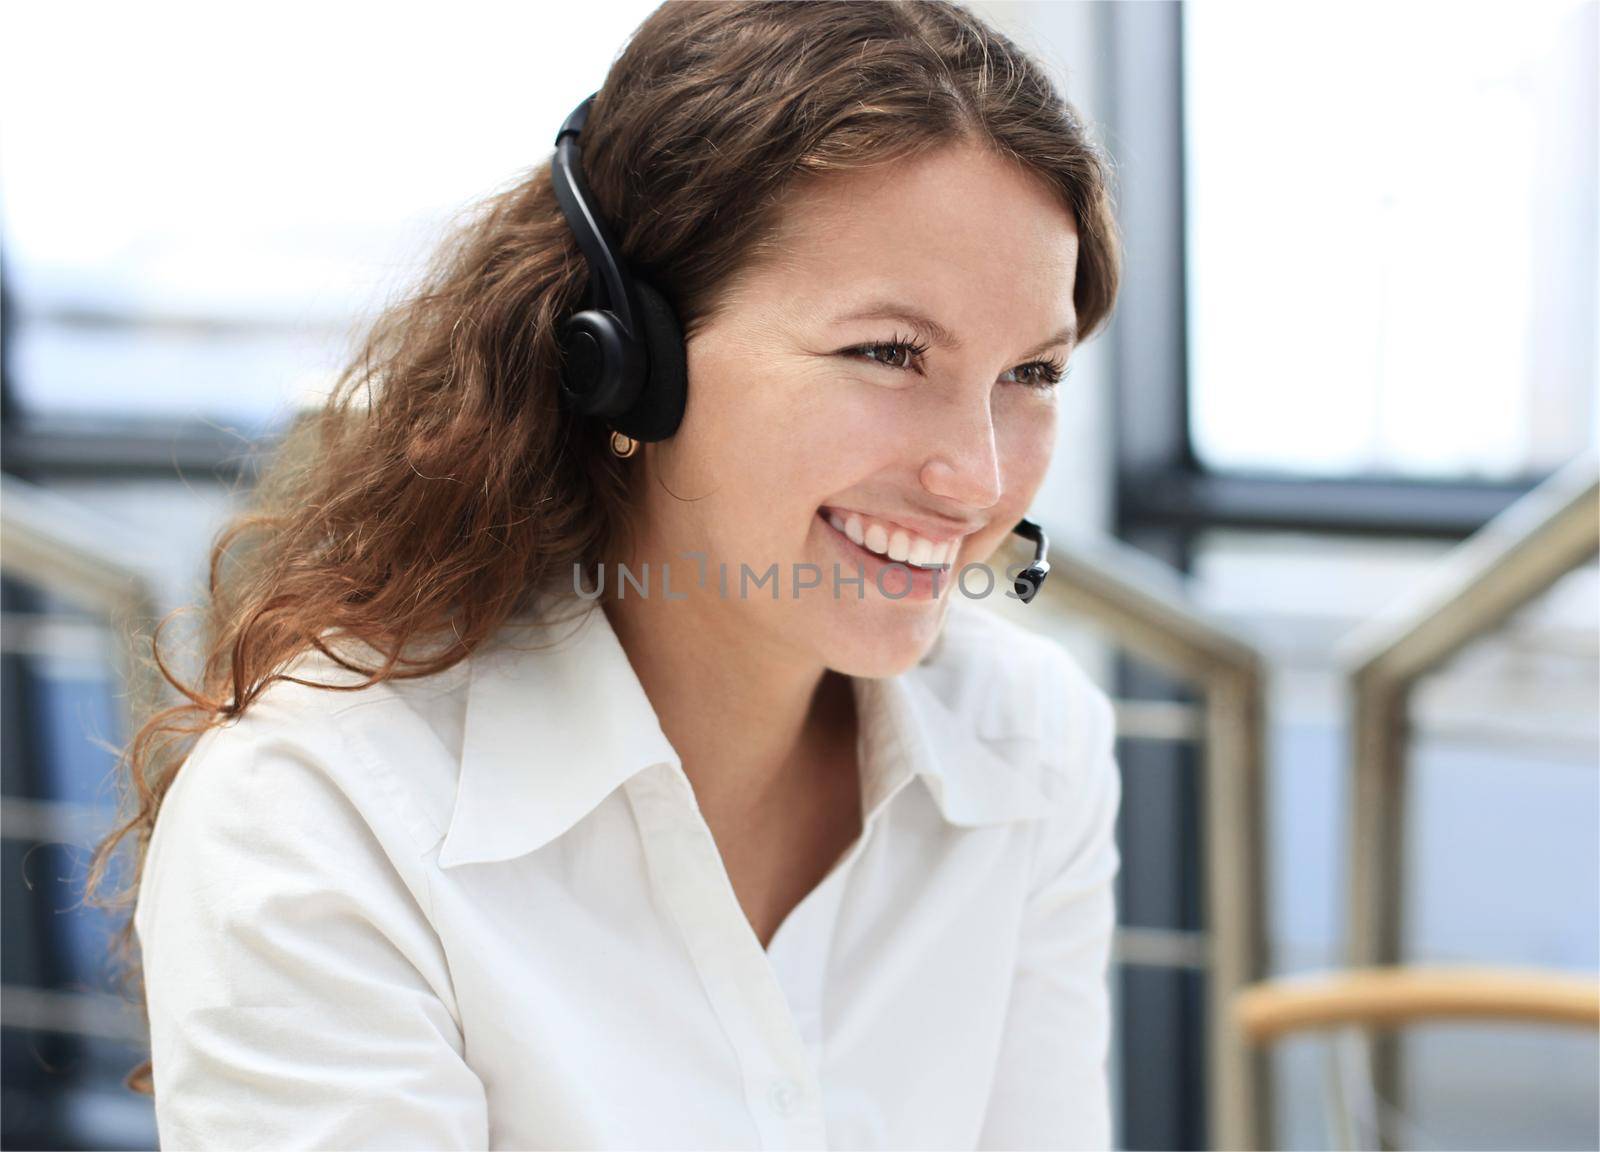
[298, 995]
[1051, 1085]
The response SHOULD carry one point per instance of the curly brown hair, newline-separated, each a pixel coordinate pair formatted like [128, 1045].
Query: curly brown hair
[442, 483]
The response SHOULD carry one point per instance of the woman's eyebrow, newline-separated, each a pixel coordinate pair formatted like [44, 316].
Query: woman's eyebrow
[923, 325]
[935, 333]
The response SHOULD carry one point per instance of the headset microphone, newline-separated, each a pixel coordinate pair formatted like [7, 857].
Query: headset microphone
[622, 357]
[1031, 578]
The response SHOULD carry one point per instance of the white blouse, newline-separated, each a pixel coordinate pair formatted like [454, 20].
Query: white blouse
[482, 909]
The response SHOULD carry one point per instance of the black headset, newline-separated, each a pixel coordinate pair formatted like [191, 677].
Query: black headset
[622, 356]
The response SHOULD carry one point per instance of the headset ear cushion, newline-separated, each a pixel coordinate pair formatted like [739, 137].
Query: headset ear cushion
[659, 409]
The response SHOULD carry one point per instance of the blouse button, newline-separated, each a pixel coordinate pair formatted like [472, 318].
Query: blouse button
[785, 1097]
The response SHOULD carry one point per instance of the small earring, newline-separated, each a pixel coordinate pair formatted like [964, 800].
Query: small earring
[622, 445]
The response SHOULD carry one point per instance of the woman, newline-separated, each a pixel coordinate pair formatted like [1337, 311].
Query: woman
[534, 792]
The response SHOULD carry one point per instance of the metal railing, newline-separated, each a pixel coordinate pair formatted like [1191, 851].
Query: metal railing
[49, 542]
[1515, 558]
[1143, 606]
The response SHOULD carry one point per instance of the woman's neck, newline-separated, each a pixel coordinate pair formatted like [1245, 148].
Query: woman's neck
[748, 719]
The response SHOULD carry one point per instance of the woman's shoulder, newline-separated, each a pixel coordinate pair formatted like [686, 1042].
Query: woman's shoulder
[1017, 685]
[285, 889]
[317, 735]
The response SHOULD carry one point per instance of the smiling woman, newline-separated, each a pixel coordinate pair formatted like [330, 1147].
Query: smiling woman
[439, 853]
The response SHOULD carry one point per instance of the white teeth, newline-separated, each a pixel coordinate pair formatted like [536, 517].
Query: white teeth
[897, 544]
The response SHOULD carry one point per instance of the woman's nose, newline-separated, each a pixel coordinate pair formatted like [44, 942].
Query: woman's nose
[964, 466]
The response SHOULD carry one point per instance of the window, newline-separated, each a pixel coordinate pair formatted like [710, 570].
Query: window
[1392, 237]
[198, 200]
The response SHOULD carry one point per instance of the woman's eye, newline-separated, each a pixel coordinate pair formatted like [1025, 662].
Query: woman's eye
[1041, 375]
[896, 353]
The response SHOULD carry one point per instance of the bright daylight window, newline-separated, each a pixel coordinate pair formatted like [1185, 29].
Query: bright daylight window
[199, 245]
[1392, 216]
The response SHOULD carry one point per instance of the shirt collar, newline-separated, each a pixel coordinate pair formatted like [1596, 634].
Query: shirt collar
[556, 720]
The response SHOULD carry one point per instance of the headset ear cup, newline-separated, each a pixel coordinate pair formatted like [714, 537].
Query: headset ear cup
[659, 409]
[601, 373]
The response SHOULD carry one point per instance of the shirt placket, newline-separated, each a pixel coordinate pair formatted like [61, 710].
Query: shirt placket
[781, 1086]
[800, 949]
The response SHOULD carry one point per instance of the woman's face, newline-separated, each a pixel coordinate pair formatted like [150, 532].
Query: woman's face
[810, 405]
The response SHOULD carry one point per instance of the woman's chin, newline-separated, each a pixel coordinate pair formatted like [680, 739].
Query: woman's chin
[879, 640]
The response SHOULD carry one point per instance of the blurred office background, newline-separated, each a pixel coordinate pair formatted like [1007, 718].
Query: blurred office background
[1359, 322]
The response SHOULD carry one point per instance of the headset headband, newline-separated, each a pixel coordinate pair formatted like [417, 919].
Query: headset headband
[607, 279]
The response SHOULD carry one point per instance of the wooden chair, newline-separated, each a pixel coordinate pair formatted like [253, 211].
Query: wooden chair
[1352, 1001]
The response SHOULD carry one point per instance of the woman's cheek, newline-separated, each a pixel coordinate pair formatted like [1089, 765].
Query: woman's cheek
[1028, 439]
[876, 412]
[851, 420]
